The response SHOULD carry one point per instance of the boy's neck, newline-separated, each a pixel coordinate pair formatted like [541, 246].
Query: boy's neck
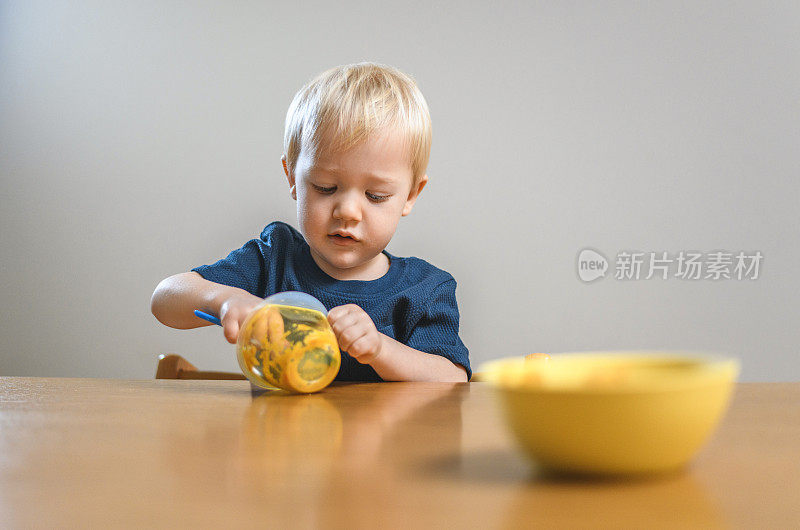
[372, 270]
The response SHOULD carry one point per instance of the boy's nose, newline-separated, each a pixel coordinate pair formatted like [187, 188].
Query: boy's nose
[347, 209]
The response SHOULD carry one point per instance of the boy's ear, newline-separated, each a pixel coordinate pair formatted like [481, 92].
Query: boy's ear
[290, 178]
[414, 194]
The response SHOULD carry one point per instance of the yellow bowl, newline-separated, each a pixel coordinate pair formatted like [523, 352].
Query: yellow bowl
[612, 413]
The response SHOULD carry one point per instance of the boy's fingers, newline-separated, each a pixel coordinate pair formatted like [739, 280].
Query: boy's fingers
[342, 310]
[361, 346]
[342, 324]
[350, 336]
[336, 313]
[231, 331]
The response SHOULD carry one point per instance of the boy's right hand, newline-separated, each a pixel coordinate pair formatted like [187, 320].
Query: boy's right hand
[234, 311]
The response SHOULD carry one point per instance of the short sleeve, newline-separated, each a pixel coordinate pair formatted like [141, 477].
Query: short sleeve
[436, 332]
[243, 268]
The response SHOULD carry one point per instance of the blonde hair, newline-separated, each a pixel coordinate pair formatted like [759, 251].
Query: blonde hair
[346, 104]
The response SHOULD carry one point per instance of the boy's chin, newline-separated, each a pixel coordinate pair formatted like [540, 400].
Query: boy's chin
[335, 260]
[346, 265]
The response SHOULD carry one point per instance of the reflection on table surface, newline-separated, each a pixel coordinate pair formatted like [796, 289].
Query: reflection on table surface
[79, 452]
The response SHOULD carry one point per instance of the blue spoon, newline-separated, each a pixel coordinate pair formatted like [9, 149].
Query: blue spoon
[206, 316]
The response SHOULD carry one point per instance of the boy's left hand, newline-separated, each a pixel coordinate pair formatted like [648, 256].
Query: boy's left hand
[355, 332]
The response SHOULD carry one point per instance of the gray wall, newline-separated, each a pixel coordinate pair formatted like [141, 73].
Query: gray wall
[138, 140]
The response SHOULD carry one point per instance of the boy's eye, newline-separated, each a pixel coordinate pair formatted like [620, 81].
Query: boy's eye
[328, 190]
[323, 189]
[377, 198]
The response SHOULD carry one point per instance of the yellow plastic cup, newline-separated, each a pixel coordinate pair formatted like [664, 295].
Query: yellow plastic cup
[287, 342]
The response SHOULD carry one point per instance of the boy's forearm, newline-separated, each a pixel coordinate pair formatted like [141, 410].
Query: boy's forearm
[175, 299]
[398, 362]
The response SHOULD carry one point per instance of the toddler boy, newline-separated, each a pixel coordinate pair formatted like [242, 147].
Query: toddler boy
[356, 147]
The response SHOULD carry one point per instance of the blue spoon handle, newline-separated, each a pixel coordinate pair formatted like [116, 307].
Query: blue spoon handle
[206, 316]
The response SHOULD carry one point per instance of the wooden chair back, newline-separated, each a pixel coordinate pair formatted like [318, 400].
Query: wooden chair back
[173, 366]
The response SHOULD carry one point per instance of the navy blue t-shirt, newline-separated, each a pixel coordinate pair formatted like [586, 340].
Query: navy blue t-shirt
[414, 302]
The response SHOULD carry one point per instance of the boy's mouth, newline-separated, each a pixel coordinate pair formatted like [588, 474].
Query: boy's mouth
[342, 239]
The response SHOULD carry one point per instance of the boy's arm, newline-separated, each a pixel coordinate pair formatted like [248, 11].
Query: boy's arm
[175, 299]
[398, 362]
[392, 360]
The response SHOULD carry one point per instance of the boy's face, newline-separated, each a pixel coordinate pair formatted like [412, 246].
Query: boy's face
[349, 204]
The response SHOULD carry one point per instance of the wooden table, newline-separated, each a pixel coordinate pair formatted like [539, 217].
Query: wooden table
[105, 453]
